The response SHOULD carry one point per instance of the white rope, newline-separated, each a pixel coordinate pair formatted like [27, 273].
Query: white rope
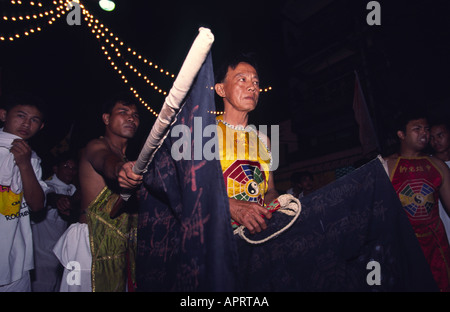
[189, 70]
[290, 206]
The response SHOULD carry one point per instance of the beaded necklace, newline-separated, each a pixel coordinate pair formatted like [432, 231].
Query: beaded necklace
[247, 129]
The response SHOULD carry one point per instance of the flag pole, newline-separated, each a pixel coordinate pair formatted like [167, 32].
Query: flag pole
[191, 66]
[183, 82]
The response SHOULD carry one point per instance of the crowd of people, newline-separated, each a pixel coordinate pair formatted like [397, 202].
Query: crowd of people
[86, 189]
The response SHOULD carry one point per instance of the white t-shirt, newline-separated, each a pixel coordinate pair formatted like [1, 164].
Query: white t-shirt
[59, 187]
[16, 244]
[46, 233]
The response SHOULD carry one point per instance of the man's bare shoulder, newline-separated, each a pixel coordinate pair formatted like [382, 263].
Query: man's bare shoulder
[438, 163]
[94, 146]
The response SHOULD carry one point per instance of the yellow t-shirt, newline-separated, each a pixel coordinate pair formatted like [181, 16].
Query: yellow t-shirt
[245, 160]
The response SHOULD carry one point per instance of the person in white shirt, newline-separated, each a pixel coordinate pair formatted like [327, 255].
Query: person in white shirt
[440, 143]
[22, 190]
[48, 227]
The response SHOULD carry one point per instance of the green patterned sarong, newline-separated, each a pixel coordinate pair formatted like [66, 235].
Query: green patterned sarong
[113, 243]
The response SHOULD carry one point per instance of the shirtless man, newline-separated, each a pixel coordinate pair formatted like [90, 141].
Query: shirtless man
[104, 174]
[420, 181]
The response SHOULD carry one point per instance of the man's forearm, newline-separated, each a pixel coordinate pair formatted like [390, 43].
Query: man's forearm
[270, 196]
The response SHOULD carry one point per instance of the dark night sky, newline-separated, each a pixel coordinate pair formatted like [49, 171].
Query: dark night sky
[64, 64]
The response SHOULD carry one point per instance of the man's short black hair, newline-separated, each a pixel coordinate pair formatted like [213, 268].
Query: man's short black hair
[441, 121]
[66, 156]
[25, 99]
[404, 117]
[124, 99]
[233, 62]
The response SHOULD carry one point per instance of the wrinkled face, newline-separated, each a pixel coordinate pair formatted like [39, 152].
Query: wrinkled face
[417, 134]
[67, 171]
[123, 120]
[440, 138]
[22, 120]
[240, 88]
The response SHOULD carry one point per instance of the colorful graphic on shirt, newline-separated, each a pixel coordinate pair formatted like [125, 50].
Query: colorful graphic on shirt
[244, 180]
[9, 201]
[416, 181]
[417, 198]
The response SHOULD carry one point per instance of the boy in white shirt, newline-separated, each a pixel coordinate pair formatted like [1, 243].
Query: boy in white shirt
[22, 190]
[48, 227]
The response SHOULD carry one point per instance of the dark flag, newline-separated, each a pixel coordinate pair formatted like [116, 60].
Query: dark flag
[352, 235]
[185, 240]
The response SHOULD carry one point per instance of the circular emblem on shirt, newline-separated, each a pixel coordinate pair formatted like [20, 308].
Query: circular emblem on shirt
[252, 188]
[417, 199]
[244, 180]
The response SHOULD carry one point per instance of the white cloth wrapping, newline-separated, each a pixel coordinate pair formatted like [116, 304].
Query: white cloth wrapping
[172, 104]
[74, 253]
[59, 187]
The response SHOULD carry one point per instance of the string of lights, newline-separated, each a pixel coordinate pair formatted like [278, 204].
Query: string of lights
[108, 40]
[53, 16]
[32, 3]
[111, 40]
[113, 48]
[134, 52]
